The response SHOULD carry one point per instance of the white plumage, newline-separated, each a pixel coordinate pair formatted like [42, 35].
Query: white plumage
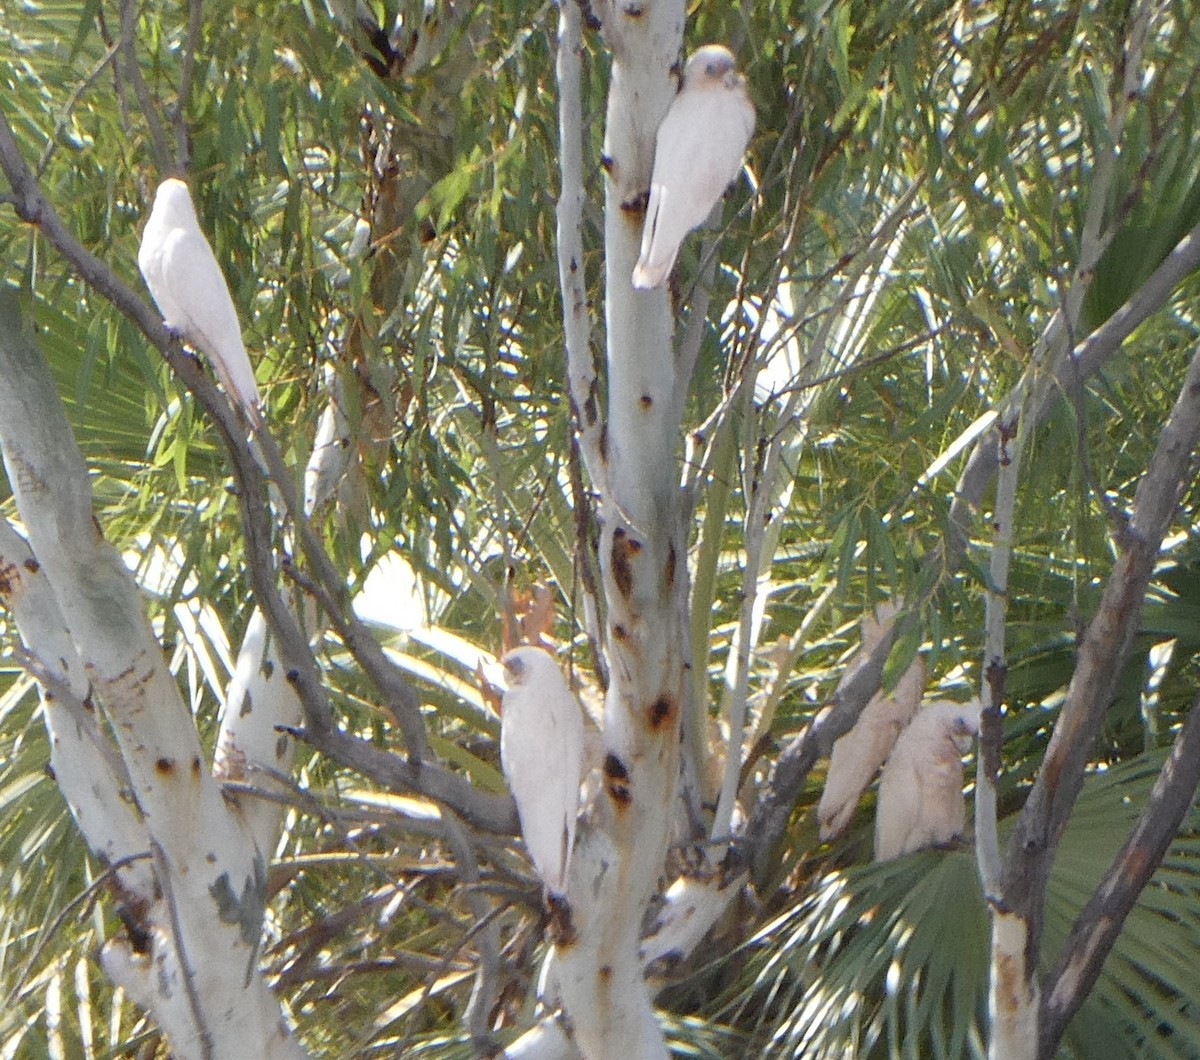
[191, 293]
[921, 799]
[859, 753]
[698, 152]
[541, 752]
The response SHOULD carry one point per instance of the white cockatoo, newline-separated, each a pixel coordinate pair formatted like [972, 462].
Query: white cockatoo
[697, 154]
[859, 753]
[541, 752]
[191, 293]
[921, 799]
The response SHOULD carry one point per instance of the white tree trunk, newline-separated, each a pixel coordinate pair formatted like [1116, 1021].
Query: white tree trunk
[619, 858]
[190, 955]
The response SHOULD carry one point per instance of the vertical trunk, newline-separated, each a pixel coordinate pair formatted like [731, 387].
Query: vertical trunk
[620, 857]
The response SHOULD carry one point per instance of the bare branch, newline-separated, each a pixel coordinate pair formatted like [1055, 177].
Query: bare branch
[483, 995]
[133, 71]
[1097, 927]
[1102, 655]
[991, 694]
[190, 46]
[491, 813]
[769, 818]
[33, 208]
[1069, 369]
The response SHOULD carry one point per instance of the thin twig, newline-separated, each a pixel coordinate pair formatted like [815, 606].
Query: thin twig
[133, 71]
[483, 995]
[191, 45]
[33, 208]
[85, 897]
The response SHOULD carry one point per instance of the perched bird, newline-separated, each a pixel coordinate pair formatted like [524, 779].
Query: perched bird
[697, 154]
[191, 293]
[921, 799]
[859, 753]
[541, 752]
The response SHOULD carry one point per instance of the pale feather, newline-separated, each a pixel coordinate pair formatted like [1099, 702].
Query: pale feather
[541, 752]
[698, 152]
[921, 800]
[858, 755]
[191, 293]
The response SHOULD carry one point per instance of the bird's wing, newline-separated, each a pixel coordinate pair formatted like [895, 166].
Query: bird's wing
[909, 690]
[943, 806]
[521, 751]
[857, 757]
[658, 250]
[568, 747]
[698, 152]
[195, 285]
[898, 810]
[540, 750]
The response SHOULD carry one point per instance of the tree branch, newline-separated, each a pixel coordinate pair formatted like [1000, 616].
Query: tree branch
[33, 208]
[1069, 368]
[769, 817]
[1102, 655]
[491, 813]
[1097, 927]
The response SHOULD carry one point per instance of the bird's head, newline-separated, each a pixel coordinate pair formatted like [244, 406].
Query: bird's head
[963, 725]
[521, 665]
[713, 64]
[956, 722]
[173, 198]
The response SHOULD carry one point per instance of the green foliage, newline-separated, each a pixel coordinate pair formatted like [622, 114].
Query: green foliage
[978, 127]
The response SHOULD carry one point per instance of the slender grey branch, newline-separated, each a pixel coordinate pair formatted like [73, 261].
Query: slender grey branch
[482, 810]
[1071, 367]
[770, 816]
[69, 106]
[190, 46]
[1097, 927]
[483, 994]
[585, 444]
[1102, 654]
[398, 695]
[33, 208]
[108, 878]
[133, 71]
[572, 279]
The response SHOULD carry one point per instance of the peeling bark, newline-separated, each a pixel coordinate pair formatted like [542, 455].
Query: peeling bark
[1012, 1000]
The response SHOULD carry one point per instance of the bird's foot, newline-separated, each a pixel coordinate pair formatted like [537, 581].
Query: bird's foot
[561, 926]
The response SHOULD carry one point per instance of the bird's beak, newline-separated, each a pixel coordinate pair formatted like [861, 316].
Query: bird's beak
[963, 736]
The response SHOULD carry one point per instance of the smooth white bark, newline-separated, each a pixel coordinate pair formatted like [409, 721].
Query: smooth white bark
[622, 845]
[193, 962]
[81, 755]
[250, 746]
